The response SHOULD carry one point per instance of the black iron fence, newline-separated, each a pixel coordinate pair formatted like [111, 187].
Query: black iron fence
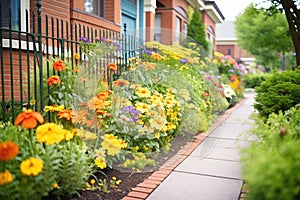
[25, 47]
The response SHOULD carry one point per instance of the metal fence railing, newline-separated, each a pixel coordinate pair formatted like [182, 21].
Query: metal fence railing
[24, 50]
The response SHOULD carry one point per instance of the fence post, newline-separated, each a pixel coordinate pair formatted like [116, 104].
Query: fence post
[40, 55]
[125, 44]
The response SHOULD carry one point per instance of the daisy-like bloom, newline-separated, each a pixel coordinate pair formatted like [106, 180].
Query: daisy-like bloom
[59, 65]
[5, 177]
[8, 150]
[157, 122]
[29, 119]
[171, 126]
[66, 114]
[54, 108]
[50, 133]
[95, 103]
[53, 80]
[31, 166]
[100, 159]
[112, 66]
[104, 94]
[76, 56]
[184, 67]
[112, 144]
[156, 56]
[142, 107]
[121, 83]
[143, 92]
[80, 116]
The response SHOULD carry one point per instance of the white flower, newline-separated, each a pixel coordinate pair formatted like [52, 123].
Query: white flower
[228, 91]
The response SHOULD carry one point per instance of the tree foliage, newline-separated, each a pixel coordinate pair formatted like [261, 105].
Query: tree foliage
[196, 30]
[263, 36]
[291, 9]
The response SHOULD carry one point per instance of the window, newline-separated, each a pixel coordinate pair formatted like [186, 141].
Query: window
[185, 29]
[95, 7]
[228, 51]
[177, 33]
[157, 29]
[7, 7]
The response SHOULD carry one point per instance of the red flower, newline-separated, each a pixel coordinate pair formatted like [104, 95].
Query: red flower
[53, 80]
[112, 66]
[8, 150]
[29, 119]
[59, 65]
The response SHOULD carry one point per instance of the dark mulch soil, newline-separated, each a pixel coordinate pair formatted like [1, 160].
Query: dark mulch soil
[130, 180]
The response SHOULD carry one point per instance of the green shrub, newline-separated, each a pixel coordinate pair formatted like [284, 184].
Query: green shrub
[279, 92]
[273, 174]
[253, 80]
[271, 163]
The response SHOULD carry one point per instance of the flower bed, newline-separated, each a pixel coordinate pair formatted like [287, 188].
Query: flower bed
[88, 125]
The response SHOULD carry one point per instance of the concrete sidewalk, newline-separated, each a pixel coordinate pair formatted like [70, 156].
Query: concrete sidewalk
[212, 171]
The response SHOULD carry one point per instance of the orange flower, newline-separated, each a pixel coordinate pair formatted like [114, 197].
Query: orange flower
[76, 56]
[102, 95]
[66, 114]
[8, 150]
[112, 66]
[76, 70]
[29, 119]
[156, 56]
[121, 83]
[59, 65]
[53, 80]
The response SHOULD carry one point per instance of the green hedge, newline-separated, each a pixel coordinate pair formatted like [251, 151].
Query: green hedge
[254, 80]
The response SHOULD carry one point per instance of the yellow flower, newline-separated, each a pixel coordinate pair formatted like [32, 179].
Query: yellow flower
[54, 108]
[31, 166]
[93, 181]
[118, 182]
[55, 185]
[50, 133]
[100, 159]
[142, 107]
[114, 178]
[68, 134]
[5, 177]
[112, 144]
[143, 92]
[76, 56]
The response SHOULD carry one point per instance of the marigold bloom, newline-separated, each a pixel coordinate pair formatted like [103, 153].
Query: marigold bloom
[66, 114]
[8, 150]
[29, 119]
[112, 66]
[156, 56]
[5, 177]
[50, 133]
[121, 82]
[53, 80]
[59, 65]
[76, 56]
[31, 167]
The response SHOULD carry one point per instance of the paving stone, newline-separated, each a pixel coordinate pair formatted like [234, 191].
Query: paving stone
[211, 167]
[184, 186]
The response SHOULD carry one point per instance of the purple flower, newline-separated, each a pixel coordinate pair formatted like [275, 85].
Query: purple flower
[183, 61]
[85, 40]
[103, 39]
[117, 45]
[148, 52]
[231, 70]
[133, 114]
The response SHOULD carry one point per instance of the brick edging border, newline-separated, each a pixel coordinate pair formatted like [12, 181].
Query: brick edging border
[144, 189]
